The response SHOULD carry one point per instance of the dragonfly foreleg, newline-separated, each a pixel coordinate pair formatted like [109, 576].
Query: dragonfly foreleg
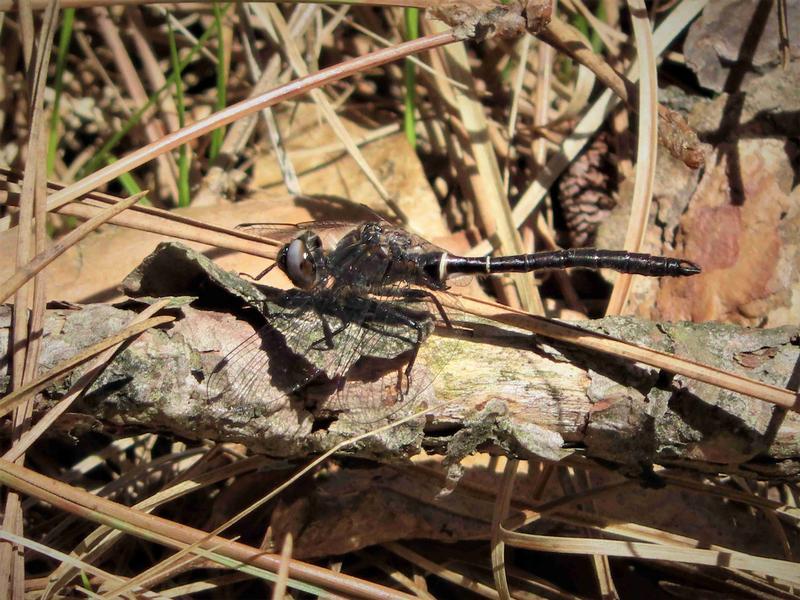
[261, 275]
[401, 317]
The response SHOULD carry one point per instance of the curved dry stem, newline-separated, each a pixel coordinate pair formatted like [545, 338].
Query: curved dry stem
[647, 145]
[501, 506]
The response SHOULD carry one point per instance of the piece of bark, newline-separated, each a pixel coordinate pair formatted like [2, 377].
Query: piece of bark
[351, 508]
[738, 219]
[512, 393]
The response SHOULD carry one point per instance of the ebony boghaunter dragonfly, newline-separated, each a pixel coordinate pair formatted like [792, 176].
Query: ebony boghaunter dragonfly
[378, 255]
[367, 290]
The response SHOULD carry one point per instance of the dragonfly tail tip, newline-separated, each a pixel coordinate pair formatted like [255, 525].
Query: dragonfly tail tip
[689, 268]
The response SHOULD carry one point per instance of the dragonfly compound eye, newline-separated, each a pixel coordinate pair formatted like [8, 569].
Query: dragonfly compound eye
[300, 265]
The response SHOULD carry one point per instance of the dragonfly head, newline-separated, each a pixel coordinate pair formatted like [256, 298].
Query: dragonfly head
[302, 260]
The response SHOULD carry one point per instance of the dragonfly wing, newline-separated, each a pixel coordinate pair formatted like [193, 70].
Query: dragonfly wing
[321, 341]
[278, 232]
[330, 232]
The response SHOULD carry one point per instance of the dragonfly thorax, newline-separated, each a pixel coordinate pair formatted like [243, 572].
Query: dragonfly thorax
[369, 258]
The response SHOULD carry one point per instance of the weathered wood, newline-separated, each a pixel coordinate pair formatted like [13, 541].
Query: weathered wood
[522, 396]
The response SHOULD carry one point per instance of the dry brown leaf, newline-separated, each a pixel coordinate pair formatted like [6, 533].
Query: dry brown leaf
[324, 167]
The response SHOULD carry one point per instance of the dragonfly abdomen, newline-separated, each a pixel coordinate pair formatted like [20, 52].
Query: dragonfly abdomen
[589, 258]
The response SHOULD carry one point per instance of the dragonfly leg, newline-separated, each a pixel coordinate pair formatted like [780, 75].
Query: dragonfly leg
[328, 335]
[419, 295]
[261, 275]
[404, 374]
[387, 313]
[409, 367]
[422, 333]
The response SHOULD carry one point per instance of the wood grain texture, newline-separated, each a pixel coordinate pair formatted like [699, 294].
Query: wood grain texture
[490, 389]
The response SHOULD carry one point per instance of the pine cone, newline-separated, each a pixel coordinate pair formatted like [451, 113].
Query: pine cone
[586, 192]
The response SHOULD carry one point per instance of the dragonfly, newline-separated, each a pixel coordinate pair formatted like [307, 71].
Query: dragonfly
[367, 291]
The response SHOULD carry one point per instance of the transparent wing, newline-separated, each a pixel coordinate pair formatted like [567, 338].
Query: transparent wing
[383, 380]
[259, 372]
[331, 231]
[355, 351]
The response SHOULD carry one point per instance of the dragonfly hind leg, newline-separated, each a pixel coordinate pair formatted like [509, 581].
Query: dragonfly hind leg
[404, 318]
[420, 295]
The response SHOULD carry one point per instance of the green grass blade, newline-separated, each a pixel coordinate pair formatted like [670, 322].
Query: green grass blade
[582, 24]
[130, 185]
[218, 135]
[409, 120]
[594, 38]
[64, 39]
[183, 155]
[101, 157]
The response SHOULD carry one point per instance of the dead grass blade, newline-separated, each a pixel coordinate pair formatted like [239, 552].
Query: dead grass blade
[647, 145]
[174, 535]
[643, 541]
[100, 541]
[380, 562]
[153, 128]
[163, 222]
[28, 310]
[209, 584]
[243, 109]
[500, 513]
[279, 591]
[476, 587]
[154, 220]
[581, 92]
[666, 546]
[65, 559]
[491, 201]
[676, 136]
[234, 142]
[385, 42]
[523, 47]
